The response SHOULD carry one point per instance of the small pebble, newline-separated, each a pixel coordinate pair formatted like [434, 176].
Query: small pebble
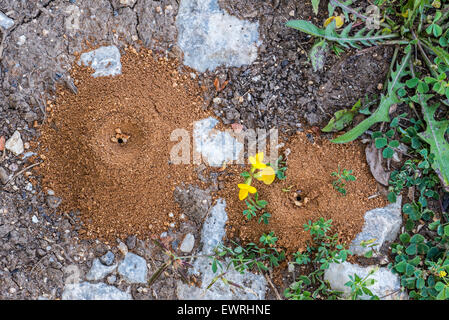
[4, 176]
[123, 248]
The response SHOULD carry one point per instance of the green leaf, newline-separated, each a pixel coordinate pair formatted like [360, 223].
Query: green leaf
[315, 5]
[405, 238]
[439, 52]
[380, 142]
[434, 136]
[317, 55]
[446, 231]
[387, 153]
[417, 238]
[392, 197]
[411, 83]
[342, 118]
[412, 249]
[394, 143]
[386, 101]
[420, 283]
[400, 267]
[439, 286]
[362, 37]
[409, 269]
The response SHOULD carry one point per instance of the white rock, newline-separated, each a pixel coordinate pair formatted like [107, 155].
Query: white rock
[188, 243]
[127, 2]
[99, 270]
[123, 248]
[254, 286]
[93, 291]
[15, 144]
[72, 19]
[5, 21]
[34, 219]
[386, 287]
[22, 40]
[210, 37]
[382, 224]
[215, 146]
[104, 60]
[133, 268]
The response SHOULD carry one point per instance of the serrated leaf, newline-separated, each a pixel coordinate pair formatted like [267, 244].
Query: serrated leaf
[317, 55]
[434, 136]
[386, 101]
[343, 38]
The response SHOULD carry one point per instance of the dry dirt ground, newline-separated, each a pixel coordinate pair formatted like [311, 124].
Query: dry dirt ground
[39, 244]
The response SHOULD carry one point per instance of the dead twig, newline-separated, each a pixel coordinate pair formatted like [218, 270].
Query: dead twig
[22, 171]
[276, 292]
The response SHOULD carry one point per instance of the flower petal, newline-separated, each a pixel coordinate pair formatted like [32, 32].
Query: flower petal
[268, 175]
[252, 160]
[251, 189]
[243, 194]
[259, 157]
[260, 165]
[338, 21]
[243, 186]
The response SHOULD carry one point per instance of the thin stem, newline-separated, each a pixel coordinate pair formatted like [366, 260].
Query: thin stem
[349, 9]
[423, 53]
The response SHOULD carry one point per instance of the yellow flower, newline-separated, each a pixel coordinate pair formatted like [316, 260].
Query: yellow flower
[257, 161]
[338, 21]
[266, 175]
[244, 189]
[443, 274]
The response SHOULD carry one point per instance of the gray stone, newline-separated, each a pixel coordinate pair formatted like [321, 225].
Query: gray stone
[188, 243]
[53, 201]
[99, 270]
[381, 224]
[5, 21]
[213, 230]
[215, 146]
[133, 268]
[4, 176]
[210, 37]
[387, 285]
[131, 242]
[15, 144]
[108, 258]
[93, 291]
[253, 285]
[123, 248]
[104, 60]
[128, 2]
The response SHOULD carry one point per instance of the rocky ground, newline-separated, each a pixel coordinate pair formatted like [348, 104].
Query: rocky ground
[41, 255]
